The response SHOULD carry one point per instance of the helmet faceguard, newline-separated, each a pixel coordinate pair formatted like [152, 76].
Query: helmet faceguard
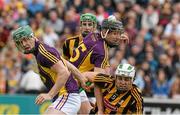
[88, 17]
[125, 73]
[24, 32]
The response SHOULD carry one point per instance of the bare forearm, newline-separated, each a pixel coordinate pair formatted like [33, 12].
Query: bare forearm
[90, 75]
[98, 92]
[99, 98]
[74, 71]
[60, 82]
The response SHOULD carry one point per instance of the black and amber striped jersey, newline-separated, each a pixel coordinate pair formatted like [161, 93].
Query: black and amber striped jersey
[117, 102]
[70, 44]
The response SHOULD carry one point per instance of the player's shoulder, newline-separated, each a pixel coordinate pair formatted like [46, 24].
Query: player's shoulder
[136, 88]
[79, 36]
[136, 93]
[47, 55]
[101, 47]
[46, 49]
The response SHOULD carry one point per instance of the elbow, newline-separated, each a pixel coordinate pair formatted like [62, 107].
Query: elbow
[64, 74]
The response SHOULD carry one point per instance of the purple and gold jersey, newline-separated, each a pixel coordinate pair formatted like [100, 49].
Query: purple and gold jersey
[91, 52]
[46, 57]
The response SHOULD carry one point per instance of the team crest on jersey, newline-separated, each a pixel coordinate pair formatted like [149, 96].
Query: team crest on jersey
[120, 102]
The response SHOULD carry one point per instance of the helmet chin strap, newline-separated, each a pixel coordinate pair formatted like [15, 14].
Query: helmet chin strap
[105, 34]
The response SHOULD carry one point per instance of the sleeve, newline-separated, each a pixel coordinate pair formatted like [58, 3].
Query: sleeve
[48, 56]
[100, 56]
[102, 80]
[137, 106]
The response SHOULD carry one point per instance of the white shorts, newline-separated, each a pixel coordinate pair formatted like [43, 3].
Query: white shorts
[68, 103]
[92, 99]
[83, 96]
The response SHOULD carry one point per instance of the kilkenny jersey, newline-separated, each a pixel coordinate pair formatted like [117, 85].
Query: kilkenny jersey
[70, 44]
[116, 102]
[46, 57]
[91, 52]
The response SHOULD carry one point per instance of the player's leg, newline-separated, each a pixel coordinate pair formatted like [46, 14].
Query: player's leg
[92, 101]
[85, 104]
[68, 104]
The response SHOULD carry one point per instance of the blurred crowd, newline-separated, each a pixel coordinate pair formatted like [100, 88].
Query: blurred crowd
[153, 27]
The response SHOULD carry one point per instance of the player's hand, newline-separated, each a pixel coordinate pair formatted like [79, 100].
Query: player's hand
[83, 82]
[124, 39]
[88, 89]
[42, 97]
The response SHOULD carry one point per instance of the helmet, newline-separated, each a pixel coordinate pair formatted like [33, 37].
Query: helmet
[108, 26]
[88, 17]
[125, 70]
[112, 24]
[24, 32]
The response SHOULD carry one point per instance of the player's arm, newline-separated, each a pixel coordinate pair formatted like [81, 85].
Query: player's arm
[50, 58]
[98, 93]
[62, 76]
[138, 108]
[77, 74]
[100, 60]
[90, 75]
[138, 103]
[100, 65]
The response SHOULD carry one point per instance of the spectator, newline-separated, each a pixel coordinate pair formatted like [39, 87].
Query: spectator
[108, 6]
[160, 86]
[50, 37]
[150, 18]
[35, 6]
[139, 81]
[31, 82]
[175, 90]
[101, 14]
[4, 34]
[165, 14]
[23, 18]
[172, 30]
[131, 26]
[56, 23]
[166, 64]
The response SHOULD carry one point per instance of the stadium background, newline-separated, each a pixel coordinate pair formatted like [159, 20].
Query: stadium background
[153, 27]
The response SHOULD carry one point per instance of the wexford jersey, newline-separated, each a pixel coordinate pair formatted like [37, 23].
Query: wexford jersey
[91, 52]
[116, 102]
[46, 56]
[70, 44]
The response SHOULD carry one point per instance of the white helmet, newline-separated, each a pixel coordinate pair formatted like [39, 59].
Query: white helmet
[126, 70]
